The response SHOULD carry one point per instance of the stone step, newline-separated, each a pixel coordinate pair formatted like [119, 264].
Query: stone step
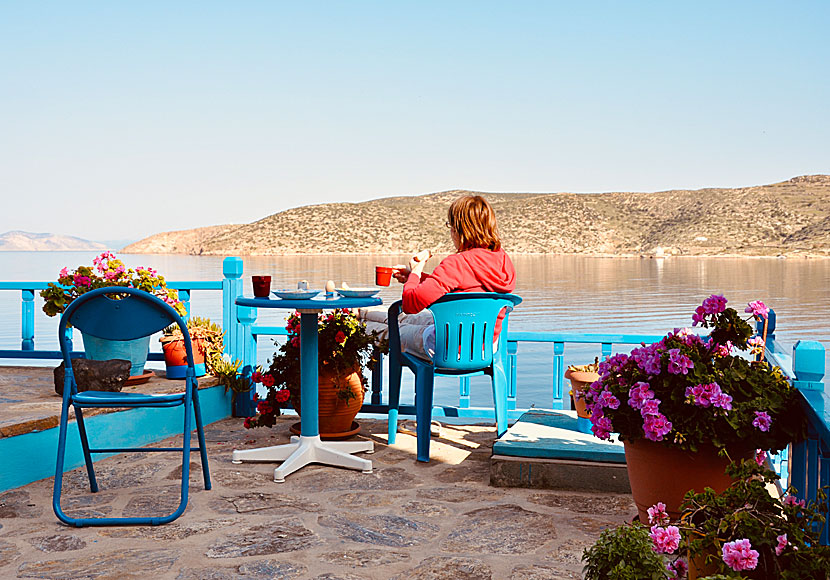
[546, 449]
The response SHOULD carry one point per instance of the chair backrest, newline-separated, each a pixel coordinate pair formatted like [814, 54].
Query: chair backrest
[465, 323]
[132, 314]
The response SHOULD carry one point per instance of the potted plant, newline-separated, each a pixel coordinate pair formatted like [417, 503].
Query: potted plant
[581, 377]
[207, 339]
[344, 348]
[227, 371]
[689, 403]
[744, 532]
[108, 271]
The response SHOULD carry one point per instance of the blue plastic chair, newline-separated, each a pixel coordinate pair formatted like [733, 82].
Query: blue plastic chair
[135, 315]
[464, 333]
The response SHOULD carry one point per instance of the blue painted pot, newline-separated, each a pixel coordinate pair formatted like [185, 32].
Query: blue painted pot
[134, 351]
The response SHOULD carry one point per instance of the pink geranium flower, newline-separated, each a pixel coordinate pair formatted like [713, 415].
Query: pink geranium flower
[762, 421]
[739, 555]
[665, 540]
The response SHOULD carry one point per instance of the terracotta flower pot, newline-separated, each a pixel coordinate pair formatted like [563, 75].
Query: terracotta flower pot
[336, 415]
[580, 381]
[175, 357]
[657, 473]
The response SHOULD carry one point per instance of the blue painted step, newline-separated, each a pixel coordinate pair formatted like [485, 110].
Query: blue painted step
[555, 435]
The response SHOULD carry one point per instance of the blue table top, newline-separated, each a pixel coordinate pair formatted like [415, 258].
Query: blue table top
[319, 302]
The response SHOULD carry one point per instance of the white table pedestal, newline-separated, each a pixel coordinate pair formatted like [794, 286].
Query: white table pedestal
[304, 450]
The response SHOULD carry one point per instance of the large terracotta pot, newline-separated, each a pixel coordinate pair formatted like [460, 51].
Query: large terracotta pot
[336, 415]
[660, 473]
[580, 381]
[175, 357]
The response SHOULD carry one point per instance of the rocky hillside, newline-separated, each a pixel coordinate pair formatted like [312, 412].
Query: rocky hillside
[789, 218]
[17, 241]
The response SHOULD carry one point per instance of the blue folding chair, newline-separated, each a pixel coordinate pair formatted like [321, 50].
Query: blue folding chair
[464, 336]
[134, 314]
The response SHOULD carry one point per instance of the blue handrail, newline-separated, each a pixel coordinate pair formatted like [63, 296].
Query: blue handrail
[809, 461]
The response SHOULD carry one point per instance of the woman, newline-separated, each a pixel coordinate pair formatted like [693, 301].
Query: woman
[479, 265]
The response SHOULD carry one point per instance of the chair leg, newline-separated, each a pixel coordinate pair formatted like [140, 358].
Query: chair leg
[394, 396]
[424, 382]
[58, 484]
[499, 380]
[90, 470]
[200, 432]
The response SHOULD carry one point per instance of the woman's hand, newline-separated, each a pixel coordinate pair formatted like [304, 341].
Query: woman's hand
[416, 264]
[401, 272]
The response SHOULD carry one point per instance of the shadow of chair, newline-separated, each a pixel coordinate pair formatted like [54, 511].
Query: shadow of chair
[465, 345]
[124, 314]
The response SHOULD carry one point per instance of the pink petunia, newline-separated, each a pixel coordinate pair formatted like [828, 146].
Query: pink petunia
[739, 555]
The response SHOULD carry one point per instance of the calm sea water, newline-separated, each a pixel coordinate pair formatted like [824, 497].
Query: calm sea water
[561, 293]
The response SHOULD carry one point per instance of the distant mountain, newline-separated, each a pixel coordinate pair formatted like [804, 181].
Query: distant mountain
[787, 218]
[17, 241]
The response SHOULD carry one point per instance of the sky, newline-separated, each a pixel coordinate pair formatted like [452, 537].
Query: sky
[123, 119]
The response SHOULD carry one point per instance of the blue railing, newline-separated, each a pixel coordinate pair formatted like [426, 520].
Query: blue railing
[809, 461]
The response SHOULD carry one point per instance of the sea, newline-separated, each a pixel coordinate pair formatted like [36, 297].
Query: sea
[560, 294]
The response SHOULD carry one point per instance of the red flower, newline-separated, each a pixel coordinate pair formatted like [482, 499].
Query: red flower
[267, 380]
[256, 377]
[340, 337]
[281, 396]
[247, 423]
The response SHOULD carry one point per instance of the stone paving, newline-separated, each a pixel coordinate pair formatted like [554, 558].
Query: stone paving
[406, 520]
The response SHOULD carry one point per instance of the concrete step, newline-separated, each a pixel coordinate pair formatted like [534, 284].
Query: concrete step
[546, 449]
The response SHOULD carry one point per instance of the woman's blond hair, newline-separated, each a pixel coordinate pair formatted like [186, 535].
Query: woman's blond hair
[474, 220]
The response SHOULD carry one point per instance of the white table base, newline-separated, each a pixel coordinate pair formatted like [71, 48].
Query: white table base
[304, 450]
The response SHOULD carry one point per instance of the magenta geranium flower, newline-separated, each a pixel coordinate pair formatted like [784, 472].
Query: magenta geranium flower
[679, 364]
[762, 421]
[757, 308]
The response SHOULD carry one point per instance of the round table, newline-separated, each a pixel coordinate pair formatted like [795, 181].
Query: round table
[308, 447]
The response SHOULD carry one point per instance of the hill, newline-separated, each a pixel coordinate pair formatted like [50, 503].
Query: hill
[789, 218]
[17, 241]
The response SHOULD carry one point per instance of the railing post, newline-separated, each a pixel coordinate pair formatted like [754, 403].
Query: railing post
[606, 349]
[28, 320]
[512, 357]
[231, 290]
[246, 343]
[184, 296]
[558, 373]
[464, 393]
[808, 365]
[377, 377]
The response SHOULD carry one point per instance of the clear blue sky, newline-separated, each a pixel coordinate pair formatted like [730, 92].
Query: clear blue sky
[123, 119]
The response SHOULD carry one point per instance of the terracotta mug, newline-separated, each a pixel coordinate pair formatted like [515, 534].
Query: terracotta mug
[262, 286]
[383, 275]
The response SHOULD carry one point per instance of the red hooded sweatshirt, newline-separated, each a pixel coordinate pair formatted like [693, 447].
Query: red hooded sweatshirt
[475, 270]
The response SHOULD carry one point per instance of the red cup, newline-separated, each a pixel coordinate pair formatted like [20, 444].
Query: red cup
[262, 286]
[383, 275]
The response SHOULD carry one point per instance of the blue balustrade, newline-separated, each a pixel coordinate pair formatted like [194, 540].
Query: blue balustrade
[808, 464]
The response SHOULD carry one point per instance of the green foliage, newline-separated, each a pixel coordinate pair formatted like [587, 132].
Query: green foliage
[624, 553]
[747, 510]
[227, 371]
